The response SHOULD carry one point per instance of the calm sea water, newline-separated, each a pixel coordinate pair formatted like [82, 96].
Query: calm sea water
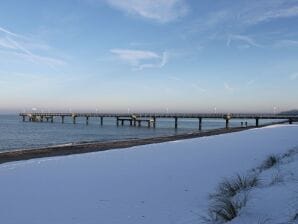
[15, 134]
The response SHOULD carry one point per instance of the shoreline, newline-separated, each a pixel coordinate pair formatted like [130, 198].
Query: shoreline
[80, 148]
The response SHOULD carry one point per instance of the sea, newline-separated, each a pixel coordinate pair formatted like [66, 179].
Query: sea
[16, 134]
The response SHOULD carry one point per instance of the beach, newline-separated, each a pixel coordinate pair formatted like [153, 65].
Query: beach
[156, 183]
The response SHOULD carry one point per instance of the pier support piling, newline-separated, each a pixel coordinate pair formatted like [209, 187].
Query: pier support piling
[200, 123]
[62, 119]
[154, 122]
[176, 122]
[101, 121]
[52, 119]
[87, 120]
[74, 119]
[257, 122]
[227, 123]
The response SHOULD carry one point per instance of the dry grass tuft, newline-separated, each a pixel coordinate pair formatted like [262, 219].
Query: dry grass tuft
[224, 209]
[230, 198]
[229, 188]
[271, 161]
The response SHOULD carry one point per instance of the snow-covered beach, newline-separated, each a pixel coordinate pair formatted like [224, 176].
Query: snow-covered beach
[165, 183]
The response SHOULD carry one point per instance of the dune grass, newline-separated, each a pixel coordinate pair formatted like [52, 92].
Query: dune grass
[230, 197]
[231, 194]
[230, 187]
[224, 209]
[271, 161]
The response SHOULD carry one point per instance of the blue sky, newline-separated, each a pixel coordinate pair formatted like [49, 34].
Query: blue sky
[163, 55]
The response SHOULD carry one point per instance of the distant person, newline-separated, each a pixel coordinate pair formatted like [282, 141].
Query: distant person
[245, 123]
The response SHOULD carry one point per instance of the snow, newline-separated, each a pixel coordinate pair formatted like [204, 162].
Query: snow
[165, 183]
[276, 200]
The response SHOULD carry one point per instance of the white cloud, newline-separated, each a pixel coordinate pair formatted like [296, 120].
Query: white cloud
[22, 47]
[141, 59]
[211, 21]
[246, 39]
[52, 62]
[164, 60]
[275, 13]
[174, 78]
[159, 10]
[9, 32]
[286, 43]
[134, 56]
[5, 43]
[238, 17]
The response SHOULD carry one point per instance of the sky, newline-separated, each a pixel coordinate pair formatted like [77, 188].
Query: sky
[149, 55]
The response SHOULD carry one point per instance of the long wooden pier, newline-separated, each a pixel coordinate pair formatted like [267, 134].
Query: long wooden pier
[136, 119]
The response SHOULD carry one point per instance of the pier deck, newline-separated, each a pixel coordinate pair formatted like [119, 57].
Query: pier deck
[136, 119]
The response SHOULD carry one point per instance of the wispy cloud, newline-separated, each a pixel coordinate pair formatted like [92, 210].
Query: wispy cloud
[242, 38]
[164, 60]
[162, 11]
[239, 18]
[255, 12]
[210, 21]
[275, 13]
[5, 43]
[286, 43]
[134, 56]
[174, 78]
[139, 59]
[22, 47]
[3, 30]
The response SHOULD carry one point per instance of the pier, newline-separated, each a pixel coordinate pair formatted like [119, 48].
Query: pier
[150, 119]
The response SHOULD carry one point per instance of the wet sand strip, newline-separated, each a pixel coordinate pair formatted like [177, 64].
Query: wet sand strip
[69, 149]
